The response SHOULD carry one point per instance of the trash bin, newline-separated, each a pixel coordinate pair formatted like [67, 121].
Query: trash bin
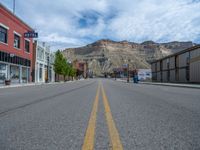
[7, 82]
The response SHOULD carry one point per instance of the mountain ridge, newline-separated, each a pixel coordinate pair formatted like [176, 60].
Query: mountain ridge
[104, 55]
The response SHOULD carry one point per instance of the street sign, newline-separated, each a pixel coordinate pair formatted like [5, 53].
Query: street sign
[31, 35]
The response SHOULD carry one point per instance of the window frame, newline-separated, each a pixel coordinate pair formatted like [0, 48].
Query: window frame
[6, 34]
[19, 42]
[27, 40]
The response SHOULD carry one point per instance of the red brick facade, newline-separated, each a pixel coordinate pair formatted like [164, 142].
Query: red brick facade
[15, 26]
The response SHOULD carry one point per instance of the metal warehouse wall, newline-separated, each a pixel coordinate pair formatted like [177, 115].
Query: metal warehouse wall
[153, 67]
[182, 75]
[164, 64]
[172, 62]
[182, 59]
[158, 76]
[164, 76]
[172, 76]
[180, 67]
[195, 66]
[158, 66]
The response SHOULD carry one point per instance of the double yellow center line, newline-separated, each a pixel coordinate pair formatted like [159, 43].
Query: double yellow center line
[90, 132]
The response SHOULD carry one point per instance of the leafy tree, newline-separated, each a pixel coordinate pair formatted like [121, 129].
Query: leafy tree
[58, 63]
[61, 67]
[72, 72]
[65, 69]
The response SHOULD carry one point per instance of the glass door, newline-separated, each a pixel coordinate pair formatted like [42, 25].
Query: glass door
[3, 73]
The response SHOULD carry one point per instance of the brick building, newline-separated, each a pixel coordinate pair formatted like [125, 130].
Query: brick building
[15, 50]
[81, 68]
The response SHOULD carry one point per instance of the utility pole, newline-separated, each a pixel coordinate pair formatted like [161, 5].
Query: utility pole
[128, 73]
[13, 6]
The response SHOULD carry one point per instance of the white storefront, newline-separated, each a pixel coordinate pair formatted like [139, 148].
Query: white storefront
[44, 63]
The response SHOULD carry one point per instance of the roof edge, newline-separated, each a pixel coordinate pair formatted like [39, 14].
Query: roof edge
[9, 11]
[178, 53]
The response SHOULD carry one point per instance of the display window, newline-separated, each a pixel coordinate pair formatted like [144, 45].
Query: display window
[14, 74]
[3, 72]
[24, 75]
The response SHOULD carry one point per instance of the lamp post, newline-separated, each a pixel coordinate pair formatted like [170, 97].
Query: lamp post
[48, 65]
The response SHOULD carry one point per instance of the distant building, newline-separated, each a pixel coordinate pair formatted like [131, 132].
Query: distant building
[15, 50]
[183, 66]
[81, 68]
[43, 67]
[120, 72]
[144, 74]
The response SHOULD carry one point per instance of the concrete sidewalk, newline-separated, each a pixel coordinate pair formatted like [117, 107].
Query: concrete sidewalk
[196, 86]
[24, 85]
[34, 84]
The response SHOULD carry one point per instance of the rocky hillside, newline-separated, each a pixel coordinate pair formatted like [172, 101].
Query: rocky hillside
[104, 55]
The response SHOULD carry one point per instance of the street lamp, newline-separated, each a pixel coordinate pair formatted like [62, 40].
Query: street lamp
[48, 68]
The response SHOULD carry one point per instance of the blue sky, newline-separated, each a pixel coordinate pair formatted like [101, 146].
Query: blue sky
[74, 23]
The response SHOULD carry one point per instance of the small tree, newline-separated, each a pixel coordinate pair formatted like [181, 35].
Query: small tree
[59, 63]
[72, 72]
[65, 69]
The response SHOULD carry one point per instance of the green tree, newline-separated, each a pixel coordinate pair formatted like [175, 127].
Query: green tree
[65, 69]
[72, 72]
[62, 67]
[59, 63]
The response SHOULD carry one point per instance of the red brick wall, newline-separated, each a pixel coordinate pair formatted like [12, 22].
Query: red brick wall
[15, 24]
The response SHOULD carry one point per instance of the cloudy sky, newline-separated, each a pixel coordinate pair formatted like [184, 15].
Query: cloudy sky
[74, 23]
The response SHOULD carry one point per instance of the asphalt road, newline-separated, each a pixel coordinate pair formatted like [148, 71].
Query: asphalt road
[99, 114]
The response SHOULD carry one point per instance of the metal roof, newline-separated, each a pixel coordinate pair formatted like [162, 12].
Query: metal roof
[178, 53]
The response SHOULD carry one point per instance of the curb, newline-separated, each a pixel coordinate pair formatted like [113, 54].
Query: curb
[162, 84]
[173, 85]
[36, 84]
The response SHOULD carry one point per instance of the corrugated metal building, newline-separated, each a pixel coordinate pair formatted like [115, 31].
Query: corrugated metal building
[183, 67]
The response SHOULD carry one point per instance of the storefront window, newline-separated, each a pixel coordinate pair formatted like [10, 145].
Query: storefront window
[3, 72]
[28, 75]
[14, 74]
[40, 53]
[40, 73]
[24, 75]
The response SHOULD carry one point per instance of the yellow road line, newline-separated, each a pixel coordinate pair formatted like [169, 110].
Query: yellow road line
[114, 135]
[90, 132]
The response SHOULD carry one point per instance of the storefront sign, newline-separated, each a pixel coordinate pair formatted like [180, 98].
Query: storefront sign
[31, 35]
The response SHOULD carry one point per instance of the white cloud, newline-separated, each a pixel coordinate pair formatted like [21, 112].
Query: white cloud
[150, 20]
[135, 20]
